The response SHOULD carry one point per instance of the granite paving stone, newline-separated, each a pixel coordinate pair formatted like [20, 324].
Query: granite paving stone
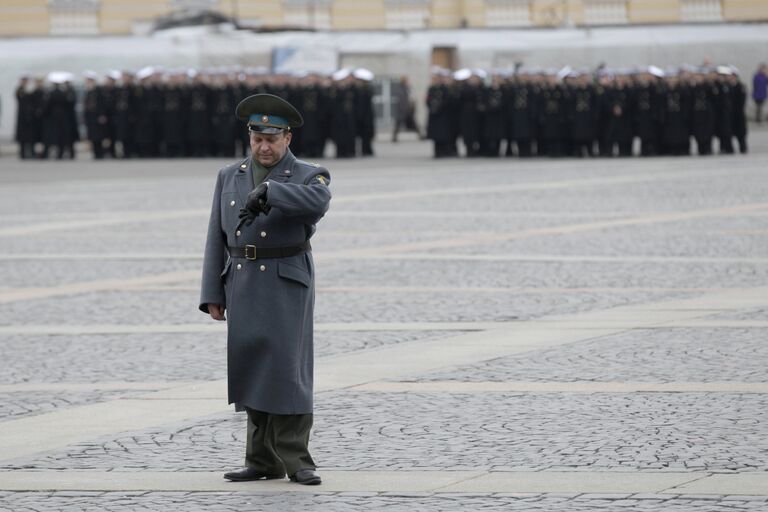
[29, 403]
[488, 431]
[242, 501]
[155, 356]
[168, 306]
[640, 355]
[400, 208]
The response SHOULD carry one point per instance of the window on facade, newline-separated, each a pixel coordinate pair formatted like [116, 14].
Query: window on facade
[74, 17]
[605, 12]
[405, 14]
[701, 10]
[307, 13]
[507, 13]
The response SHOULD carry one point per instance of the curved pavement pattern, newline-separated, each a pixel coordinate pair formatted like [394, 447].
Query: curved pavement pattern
[558, 335]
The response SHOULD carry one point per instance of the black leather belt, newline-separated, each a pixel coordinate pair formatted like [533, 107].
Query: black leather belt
[251, 252]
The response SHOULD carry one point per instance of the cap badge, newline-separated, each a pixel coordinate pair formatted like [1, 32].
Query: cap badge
[264, 119]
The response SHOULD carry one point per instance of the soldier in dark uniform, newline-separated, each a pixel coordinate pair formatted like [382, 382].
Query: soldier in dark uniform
[739, 92]
[60, 123]
[582, 113]
[94, 115]
[725, 111]
[222, 136]
[470, 115]
[108, 93]
[343, 115]
[74, 127]
[314, 108]
[258, 267]
[365, 128]
[145, 96]
[646, 100]
[198, 117]
[703, 96]
[551, 117]
[38, 98]
[439, 126]
[617, 118]
[676, 117]
[173, 122]
[494, 125]
[521, 117]
[124, 113]
[25, 119]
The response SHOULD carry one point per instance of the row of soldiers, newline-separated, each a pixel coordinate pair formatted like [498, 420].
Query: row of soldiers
[570, 113]
[187, 114]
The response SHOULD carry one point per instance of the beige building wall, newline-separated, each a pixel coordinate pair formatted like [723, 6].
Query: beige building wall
[473, 13]
[356, 15]
[257, 12]
[24, 18]
[445, 13]
[745, 10]
[33, 17]
[653, 11]
[118, 16]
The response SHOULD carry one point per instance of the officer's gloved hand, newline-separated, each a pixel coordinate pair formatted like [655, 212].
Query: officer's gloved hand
[254, 205]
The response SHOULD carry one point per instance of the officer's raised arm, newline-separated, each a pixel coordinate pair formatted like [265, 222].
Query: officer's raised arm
[310, 199]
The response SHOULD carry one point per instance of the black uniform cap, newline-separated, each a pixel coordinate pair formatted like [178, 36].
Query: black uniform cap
[267, 113]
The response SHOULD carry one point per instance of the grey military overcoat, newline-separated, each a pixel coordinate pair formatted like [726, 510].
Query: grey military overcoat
[269, 301]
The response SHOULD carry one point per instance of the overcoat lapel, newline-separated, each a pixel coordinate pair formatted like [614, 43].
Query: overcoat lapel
[286, 163]
[244, 180]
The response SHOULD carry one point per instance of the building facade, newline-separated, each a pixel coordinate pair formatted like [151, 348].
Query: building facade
[20, 18]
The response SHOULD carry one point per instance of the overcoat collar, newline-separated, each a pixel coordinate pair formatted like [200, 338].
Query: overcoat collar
[244, 176]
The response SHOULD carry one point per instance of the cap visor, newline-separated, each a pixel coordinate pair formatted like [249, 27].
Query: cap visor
[266, 130]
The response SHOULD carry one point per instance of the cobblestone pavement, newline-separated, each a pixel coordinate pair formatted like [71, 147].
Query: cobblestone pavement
[452, 431]
[29, 403]
[242, 502]
[641, 355]
[407, 241]
[155, 356]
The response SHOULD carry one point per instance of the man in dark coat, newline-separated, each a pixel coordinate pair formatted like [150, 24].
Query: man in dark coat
[647, 111]
[676, 115]
[471, 112]
[365, 128]
[521, 116]
[583, 116]
[739, 92]
[703, 113]
[25, 119]
[60, 129]
[344, 101]
[172, 95]
[258, 267]
[94, 115]
[439, 127]
[494, 126]
[124, 115]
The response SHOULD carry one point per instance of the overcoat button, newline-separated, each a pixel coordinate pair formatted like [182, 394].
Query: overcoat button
[237, 233]
[239, 266]
[232, 203]
[263, 268]
[263, 234]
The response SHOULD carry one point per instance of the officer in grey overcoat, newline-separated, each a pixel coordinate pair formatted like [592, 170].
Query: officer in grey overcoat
[258, 269]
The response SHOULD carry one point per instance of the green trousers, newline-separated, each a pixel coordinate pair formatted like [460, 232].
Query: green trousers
[278, 444]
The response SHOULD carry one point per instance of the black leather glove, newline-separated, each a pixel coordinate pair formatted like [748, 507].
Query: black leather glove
[257, 199]
[254, 205]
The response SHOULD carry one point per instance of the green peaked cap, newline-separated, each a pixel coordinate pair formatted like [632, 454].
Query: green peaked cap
[268, 113]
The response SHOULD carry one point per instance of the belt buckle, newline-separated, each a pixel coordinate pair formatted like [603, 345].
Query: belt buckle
[250, 252]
